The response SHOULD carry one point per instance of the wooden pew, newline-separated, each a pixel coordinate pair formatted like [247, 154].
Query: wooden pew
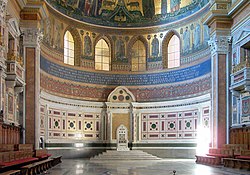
[215, 156]
[11, 172]
[209, 160]
[42, 154]
[245, 154]
[24, 147]
[56, 160]
[236, 163]
[37, 167]
[236, 148]
[7, 147]
[16, 155]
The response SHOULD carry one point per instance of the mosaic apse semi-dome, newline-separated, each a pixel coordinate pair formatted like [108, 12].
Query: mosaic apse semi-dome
[128, 13]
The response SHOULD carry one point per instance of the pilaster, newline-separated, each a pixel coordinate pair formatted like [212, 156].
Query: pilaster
[109, 126]
[31, 43]
[220, 44]
[135, 127]
[220, 23]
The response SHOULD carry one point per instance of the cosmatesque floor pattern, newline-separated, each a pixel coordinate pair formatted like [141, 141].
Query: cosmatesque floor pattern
[162, 167]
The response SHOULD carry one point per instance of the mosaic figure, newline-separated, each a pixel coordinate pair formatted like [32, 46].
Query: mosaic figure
[87, 45]
[88, 4]
[81, 6]
[174, 5]
[155, 46]
[206, 33]
[133, 5]
[58, 37]
[48, 31]
[148, 8]
[95, 7]
[197, 34]
[186, 39]
[164, 7]
[120, 49]
[73, 3]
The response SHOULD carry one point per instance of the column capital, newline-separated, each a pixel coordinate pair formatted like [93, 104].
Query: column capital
[220, 43]
[32, 36]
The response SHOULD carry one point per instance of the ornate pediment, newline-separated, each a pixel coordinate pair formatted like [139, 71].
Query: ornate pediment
[243, 34]
[121, 95]
[14, 27]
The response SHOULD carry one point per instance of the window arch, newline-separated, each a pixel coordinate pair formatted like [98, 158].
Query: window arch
[69, 48]
[173, 52]
[138, 58]
[102, 55]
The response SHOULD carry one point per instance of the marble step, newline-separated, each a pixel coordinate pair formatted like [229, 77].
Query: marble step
[141, 156]
[124, 155]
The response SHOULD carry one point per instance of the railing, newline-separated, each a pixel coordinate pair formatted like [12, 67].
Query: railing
[240, 75]
[18, 59]
[242, 65]
[15, 68]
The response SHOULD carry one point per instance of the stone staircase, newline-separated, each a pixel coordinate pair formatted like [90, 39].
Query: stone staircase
[123, 155]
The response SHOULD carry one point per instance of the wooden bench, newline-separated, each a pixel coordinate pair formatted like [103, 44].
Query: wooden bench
[24, 147]
[16, 154]
[37, 167]
[7, 147]
[245, 154]
[236, 148]
[209, 160]
[11, 172]
[42, 154]
[236, 163]
[220, 152]
[56, 160]
[18, 162]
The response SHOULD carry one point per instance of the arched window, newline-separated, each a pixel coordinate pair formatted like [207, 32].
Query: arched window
[102, 56]
[69, 49]
[138, 56]
[174, 52]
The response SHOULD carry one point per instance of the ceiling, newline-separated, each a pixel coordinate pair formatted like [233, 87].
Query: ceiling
[127, 13]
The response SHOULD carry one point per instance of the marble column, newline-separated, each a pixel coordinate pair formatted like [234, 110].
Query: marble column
[220, 44]
[135, 126]
[31, 43]
[109, 126]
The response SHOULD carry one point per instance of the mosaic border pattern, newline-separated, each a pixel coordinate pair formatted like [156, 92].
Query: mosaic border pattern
[81, 76]
[71, 89]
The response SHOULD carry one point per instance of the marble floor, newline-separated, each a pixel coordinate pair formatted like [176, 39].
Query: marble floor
[161, 167]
